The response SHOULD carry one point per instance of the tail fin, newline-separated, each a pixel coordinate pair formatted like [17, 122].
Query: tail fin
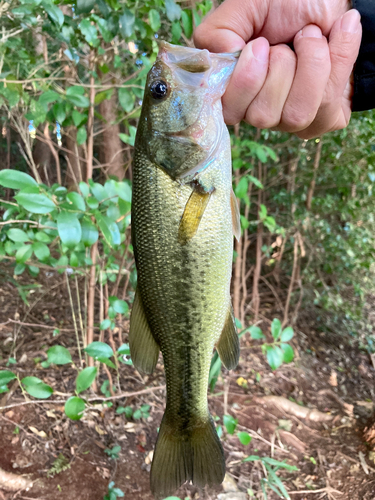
[195, 455]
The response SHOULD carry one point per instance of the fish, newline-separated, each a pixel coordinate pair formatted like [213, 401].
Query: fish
[184, 215]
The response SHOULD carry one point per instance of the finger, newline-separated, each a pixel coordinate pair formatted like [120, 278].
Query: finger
[344, 43]
[266, 109]
[246, 81]
[229, 27]
[312, 74]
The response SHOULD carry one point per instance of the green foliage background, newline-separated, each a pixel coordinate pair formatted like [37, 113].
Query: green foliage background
[60, 60]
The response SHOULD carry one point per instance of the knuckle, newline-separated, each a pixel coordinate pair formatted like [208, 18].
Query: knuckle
[261, 118]
[296, 120]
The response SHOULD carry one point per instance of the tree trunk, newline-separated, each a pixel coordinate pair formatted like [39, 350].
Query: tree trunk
[42, 153]
[111, 154]
[75, 171]
[310, 193]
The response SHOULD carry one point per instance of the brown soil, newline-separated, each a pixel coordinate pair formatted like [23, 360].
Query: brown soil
[330, 374]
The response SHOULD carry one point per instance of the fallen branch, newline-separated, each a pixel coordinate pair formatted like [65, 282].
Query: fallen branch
[295, 409]
[328, 490]
[95, 398]
[14, 482]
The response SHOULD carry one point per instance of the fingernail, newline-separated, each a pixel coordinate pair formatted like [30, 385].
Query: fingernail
[260, 49]
[312, 31]
[351, 21]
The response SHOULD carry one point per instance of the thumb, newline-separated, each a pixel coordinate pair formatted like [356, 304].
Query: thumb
[344, 42]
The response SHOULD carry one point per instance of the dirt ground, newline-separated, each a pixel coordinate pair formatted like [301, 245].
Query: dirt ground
[330, 373]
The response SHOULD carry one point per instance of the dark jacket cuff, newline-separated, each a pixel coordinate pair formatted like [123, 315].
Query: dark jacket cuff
[364, 71]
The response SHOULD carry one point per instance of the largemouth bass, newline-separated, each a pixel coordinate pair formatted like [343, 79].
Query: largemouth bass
[184, 215]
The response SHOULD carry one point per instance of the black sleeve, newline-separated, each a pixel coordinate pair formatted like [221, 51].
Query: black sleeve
[364, 72]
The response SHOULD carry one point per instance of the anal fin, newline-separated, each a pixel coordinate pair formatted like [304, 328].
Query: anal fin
[144, 350]
[236, 220]
[228, 346]
[192, 215]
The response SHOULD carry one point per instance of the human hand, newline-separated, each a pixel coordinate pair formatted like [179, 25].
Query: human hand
[307, 91]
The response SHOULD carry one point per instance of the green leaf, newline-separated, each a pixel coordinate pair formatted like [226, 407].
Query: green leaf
[43, 237]
[123, 191]
[14, 179]
[277, 463]
[126, 99]
[251, 458]
[230, 423]
[128, 410]
[90, 233]
[84, 188]
[84, 6]
[109, 229]
[40, 250]
[242, 187]
[48, 97]
[81, 136]
[187, 23]
[99, 350]
[287, 334]
[19, 269]
[127, 20]
[105, 324]
[288, 353]
[69, 229]
[6, 376]
[76, 200]
[129, 139]
[36, 387]
[276, 328]
[54, 13]
[120, 306]
[23, 254]
[74, 408]
[98, 191]
[255, 181]
[59, 111]
[124, 353]
[256, 333]
[85, 378]
[59, 355]
[92, 202]
[78, 117]
[35, 203]
[154, 18]
[89, 32]
[244, 438]
[173, 10]
[75, 95]
[176, 32]
[275, 357]
[17, 235]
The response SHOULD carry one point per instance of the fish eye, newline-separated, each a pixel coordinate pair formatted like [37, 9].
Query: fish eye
[159, 89]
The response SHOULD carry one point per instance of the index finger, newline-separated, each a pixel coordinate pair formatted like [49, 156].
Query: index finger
[229, 27]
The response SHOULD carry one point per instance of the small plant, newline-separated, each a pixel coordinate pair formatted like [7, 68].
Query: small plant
[113, 493]
[61, 464]
[272, 481]
[277, 352]
[113, 452]
[142, 412]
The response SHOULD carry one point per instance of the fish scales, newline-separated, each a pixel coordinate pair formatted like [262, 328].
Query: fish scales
[183, 292]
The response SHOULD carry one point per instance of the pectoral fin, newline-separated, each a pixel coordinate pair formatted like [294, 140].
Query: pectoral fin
[192, 215]
[236, 220]
[228, 346]
[144, 350]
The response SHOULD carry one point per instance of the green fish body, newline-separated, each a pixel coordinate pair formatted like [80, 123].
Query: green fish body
[184, 215]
